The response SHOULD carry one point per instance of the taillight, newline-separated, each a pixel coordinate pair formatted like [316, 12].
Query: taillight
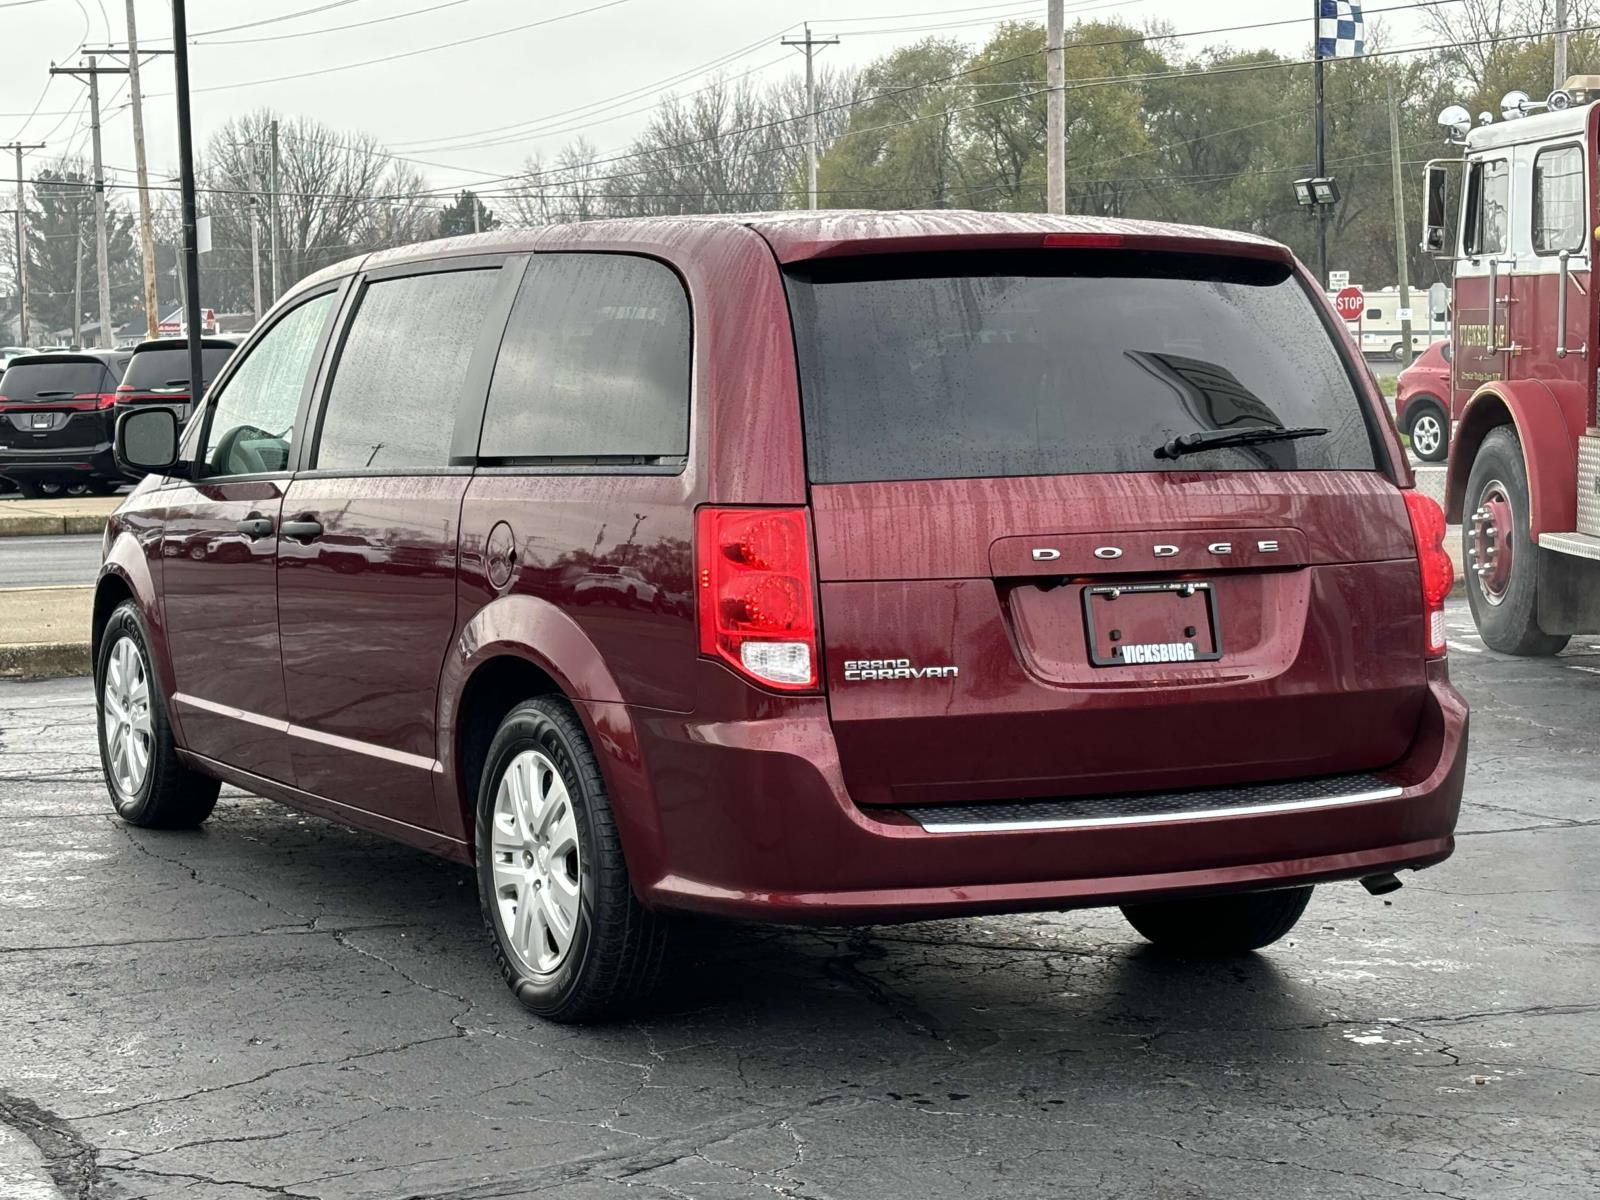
[1434, 565]
[1085, 241]
[107, 400]
[756, 593]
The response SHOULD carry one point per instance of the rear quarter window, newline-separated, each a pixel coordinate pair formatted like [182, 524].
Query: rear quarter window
[594, 366]
[1068, 362]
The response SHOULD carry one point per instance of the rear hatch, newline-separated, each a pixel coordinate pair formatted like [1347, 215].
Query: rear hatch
[56, 402]
[159, 374]
[1021, 598]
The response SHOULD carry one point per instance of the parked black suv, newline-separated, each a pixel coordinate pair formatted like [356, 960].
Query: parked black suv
[159, 373]
[57, 419]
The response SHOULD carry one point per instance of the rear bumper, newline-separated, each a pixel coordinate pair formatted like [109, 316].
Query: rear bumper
[750, 818]
[63, 464]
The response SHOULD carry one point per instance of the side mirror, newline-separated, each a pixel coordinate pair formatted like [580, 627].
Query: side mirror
[147, 441]
[1435, 209]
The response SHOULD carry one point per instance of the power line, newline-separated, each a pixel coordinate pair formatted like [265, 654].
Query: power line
[404, 54]
[282, 37]
[530, 134]
[1076, 85]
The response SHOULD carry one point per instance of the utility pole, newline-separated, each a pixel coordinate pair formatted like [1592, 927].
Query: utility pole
[1400, 244]
[255, 252]
[1055, 134]
[272, 206]
[22, 243]
[191, 235]
[147, 236]
[476, 222]
[77, 282]
[102, 256]
[809, 44]
[1561, 42]
[1322, 144]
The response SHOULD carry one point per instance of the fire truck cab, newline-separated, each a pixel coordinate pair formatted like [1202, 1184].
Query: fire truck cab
[1524, 470]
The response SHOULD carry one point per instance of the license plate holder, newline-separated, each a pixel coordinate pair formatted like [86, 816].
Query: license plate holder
[1145, 624]
[42, 421]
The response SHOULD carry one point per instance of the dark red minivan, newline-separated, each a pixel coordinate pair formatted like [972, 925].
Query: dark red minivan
[845, 567]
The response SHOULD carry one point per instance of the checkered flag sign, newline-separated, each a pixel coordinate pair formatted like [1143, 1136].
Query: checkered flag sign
[1340, 30]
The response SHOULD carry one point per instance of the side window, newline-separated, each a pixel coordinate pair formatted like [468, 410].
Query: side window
[1558, 200]
[595, 363]
[1488, 197]
[252, 420]
[399, 377]
[1374, 314]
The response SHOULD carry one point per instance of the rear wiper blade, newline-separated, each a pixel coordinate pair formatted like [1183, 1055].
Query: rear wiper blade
[1211, 439]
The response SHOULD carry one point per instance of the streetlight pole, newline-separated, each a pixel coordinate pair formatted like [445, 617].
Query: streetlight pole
[191, 241]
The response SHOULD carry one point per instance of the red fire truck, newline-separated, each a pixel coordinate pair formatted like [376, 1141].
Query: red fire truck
[1524, 475]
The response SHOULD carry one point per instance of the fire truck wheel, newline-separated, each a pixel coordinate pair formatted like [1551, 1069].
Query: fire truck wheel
[1499, 553]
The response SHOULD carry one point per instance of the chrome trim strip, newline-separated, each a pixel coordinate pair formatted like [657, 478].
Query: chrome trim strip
[339, 742]
[228, 710]
[1154, 818]
[402, 758]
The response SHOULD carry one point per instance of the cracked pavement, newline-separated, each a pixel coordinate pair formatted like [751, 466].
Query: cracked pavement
[276, 1006]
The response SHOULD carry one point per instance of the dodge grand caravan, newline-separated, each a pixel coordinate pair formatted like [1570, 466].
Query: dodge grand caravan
[990, 563]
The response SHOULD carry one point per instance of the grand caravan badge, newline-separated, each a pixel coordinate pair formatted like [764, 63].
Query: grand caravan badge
[861, 670]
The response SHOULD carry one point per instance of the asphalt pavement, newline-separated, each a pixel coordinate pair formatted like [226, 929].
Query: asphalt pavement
[53, 561]
[278, 1006]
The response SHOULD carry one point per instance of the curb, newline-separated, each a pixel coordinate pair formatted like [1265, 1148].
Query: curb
[32, 526]
[44, 660]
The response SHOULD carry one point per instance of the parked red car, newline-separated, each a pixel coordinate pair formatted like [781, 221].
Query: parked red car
[1422, 403]
[1035, 563]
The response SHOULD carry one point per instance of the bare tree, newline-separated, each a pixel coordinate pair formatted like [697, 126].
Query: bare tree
[731, 146]
[339, 193]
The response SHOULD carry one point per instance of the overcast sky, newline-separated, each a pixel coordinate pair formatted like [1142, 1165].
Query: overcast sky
[616, 52]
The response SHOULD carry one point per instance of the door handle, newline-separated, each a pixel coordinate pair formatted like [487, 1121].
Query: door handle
[255, 527]
[302, 530]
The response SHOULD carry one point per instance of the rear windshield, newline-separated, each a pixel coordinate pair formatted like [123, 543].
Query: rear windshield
[54, 381]
[168, 367]
[1063, 363]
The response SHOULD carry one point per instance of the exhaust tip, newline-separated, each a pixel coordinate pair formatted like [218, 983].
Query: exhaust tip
[1381, 885]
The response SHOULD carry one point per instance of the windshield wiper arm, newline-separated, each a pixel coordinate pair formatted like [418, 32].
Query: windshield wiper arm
[1211, 439]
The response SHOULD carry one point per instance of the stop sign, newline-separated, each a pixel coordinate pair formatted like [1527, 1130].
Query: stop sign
[1351, 303]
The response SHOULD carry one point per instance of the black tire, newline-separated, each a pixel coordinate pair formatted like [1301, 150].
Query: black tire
[1437, 435]
[104, 487]
[1510, 625]
[169, 795]
[1398, 352]
[614, 959]
[29, 490]
[1219, 925]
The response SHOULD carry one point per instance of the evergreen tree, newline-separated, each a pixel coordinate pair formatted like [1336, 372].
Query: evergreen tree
[457, 219]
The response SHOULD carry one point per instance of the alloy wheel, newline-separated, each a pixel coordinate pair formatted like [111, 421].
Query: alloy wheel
[537, 866]
[129, 732]
[1426, 435]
